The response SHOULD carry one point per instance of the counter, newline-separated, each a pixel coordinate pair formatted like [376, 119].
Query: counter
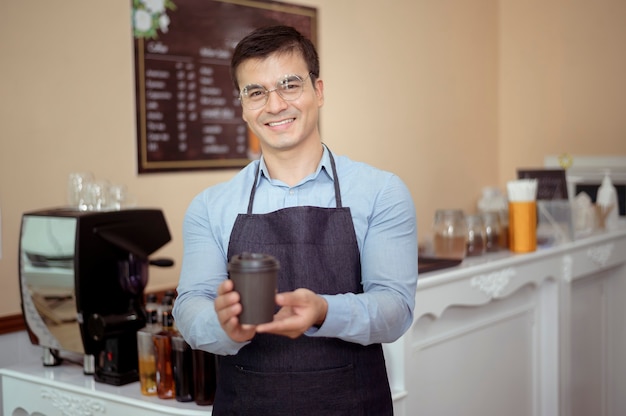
[32, 389]
[534, 334]
[539, 334]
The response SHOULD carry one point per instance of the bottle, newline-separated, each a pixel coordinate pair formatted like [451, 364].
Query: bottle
[606, 203]
[145, 349]
[182, 367]
[170, 293]
[204, 377]
[152, 308]
[450, 234]
[163, 350]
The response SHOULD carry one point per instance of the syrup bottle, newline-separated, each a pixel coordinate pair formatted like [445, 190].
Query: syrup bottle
[204, 377]
[163, 350]
[145, 349]
[182, 366]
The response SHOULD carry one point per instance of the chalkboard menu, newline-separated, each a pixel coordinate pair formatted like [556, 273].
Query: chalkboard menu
[188, 111]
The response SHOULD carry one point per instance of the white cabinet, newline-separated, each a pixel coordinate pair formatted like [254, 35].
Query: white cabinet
[33, 390]
[539, 334]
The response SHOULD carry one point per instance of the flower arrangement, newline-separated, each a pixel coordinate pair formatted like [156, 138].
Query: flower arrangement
[150, 16]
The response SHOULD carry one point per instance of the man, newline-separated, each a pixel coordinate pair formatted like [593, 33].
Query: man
[344, 234]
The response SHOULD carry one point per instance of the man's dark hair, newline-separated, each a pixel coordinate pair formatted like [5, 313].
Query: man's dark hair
[268, 40]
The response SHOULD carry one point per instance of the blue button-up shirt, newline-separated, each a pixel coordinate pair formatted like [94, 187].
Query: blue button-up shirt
[384, 220]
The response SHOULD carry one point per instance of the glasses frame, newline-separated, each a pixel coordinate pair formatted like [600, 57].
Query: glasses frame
[277, 89]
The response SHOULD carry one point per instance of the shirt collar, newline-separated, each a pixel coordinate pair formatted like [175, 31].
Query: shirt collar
[324, 164]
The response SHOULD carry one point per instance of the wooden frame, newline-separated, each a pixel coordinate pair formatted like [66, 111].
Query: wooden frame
[187, 110]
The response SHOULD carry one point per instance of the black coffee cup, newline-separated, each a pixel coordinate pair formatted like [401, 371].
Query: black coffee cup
[255, 277]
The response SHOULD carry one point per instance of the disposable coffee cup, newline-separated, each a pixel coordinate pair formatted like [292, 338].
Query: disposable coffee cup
[255, 277]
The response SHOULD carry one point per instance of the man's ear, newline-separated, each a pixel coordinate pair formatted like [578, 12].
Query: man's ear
[319, 91]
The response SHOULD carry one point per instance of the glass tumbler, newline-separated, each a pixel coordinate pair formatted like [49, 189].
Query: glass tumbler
[450, 234]
[77, 184]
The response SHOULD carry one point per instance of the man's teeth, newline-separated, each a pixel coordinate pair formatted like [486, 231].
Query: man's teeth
[279, 123]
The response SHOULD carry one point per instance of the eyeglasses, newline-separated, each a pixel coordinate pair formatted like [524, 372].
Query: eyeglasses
[289, 88]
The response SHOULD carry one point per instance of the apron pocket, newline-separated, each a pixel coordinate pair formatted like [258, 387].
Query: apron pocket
[327, 392]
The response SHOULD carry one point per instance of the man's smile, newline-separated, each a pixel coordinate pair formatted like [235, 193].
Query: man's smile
[280, 123]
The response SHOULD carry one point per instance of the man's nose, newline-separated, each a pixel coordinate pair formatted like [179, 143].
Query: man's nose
[275, 101]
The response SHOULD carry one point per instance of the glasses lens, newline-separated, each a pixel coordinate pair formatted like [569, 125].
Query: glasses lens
[254, 96]
[289, 88]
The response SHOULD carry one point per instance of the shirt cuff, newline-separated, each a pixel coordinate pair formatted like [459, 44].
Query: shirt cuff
[223, 345]
[337, 318]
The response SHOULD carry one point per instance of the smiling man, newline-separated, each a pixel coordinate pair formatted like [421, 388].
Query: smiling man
[345, 235]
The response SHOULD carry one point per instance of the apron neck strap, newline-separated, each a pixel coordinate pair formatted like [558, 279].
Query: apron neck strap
[335, 181]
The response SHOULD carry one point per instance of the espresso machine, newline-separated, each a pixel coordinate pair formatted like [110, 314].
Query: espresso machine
[82, 280]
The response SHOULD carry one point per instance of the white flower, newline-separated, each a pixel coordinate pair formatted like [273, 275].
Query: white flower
[155, 6]
[143, 20]
[164, 23]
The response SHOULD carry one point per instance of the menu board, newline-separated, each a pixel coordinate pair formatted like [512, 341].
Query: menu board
[188, 111]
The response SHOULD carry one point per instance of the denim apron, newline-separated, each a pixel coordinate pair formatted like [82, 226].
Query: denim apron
[275, 375]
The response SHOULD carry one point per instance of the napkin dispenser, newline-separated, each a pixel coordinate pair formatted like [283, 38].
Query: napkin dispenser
[82, 279]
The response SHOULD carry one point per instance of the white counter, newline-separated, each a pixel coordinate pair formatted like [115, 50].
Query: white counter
[539, 334]
[535, 334]
[32, 389]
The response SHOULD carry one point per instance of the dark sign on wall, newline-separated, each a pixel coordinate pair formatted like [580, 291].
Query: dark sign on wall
[188, 111]
[551, 183]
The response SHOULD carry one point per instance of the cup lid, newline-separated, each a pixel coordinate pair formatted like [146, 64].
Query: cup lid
[245, 262]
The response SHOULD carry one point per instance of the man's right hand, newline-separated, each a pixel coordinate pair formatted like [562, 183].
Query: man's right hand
[228, 308]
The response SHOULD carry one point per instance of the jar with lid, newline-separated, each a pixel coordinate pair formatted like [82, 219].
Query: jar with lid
[475, 235]
[492, 199]
[450, 234]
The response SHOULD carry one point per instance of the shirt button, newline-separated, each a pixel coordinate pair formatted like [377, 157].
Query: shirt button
[291, 192]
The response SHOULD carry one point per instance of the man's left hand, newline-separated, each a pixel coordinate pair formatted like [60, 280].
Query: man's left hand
[300, 310]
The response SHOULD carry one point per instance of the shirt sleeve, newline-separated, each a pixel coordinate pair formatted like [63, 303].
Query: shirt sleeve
[384, 311]
[204, 268]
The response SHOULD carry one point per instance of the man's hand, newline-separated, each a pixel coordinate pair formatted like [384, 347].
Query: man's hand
[228, 308]
[300, 310]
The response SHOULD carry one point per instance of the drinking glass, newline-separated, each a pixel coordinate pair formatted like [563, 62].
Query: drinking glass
[77, 185]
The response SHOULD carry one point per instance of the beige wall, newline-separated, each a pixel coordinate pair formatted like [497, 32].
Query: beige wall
[562, 87]
[452, 95]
